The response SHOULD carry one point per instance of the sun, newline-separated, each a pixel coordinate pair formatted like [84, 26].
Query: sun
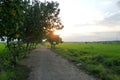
[61, 33]
[64, 32]
[57, 32]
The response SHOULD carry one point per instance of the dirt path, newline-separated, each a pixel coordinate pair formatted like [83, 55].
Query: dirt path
[46, 65]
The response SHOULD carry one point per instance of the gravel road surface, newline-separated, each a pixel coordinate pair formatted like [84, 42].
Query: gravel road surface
[47, 65]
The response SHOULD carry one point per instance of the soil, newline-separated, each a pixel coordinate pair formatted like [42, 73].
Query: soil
[47, 65]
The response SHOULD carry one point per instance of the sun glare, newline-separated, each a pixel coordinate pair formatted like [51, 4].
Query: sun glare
[57, 32]
[62, 33]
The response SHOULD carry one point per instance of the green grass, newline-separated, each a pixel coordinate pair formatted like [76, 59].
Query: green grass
[3, 48]
[102, 60]
[94, 48]
[19, 72]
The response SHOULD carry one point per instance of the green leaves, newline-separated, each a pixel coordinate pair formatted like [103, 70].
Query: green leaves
[28, 20]
[40, 19]
[11, 15]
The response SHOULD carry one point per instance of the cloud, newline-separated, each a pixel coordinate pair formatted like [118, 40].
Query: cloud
[98, 20]
[107, 2]
[118, 4]
[111, 20]
[97, 36]
[112, 16]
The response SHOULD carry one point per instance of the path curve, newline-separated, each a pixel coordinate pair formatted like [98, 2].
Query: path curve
[47, 65]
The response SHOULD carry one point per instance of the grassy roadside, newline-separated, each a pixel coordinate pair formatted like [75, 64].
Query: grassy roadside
[7, 72]
[102, 60]
[19, 73]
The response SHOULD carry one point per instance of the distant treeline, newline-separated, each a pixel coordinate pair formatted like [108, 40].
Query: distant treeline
[96, 42]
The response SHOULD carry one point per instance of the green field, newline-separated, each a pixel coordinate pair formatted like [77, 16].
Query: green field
[110, 50]
[100, 59]
[3, 49]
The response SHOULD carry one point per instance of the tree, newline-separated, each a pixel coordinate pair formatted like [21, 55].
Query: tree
[27, 22]
[11, 22]
[40, 19]
[53, 23]
[11, 15]
[53, 39]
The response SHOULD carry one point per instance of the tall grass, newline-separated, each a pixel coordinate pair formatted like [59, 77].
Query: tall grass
[102, 60]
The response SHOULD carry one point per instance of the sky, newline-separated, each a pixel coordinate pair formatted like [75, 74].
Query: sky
[89, 20]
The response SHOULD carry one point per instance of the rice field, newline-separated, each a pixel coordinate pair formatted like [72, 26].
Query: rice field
[99, 59]
[109, 50]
